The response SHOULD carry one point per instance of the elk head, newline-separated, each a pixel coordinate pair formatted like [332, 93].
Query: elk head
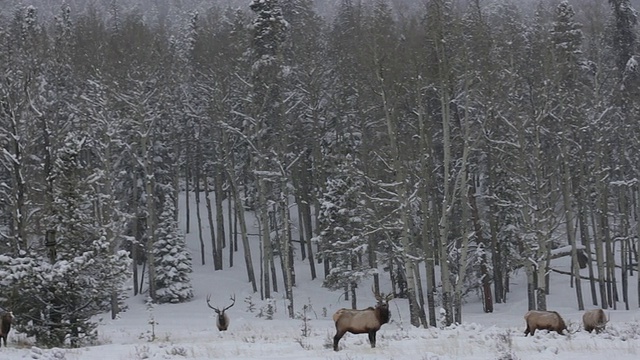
[223, 319]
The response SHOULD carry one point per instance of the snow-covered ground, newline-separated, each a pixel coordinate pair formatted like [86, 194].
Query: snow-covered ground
[188, 331]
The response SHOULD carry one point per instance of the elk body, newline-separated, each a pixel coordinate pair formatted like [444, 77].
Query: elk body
[544, 320]
[5, 325]
[367, 321]
[594, 320]
[223, 319]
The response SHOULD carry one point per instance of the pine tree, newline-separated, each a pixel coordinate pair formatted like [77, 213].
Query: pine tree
[624, 37]
[173, 260]
[567, 40]
[58, 294]
[343, 217]
[269, 30]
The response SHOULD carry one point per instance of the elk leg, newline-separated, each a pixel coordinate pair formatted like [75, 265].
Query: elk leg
[526, 331]
[372, 338]
[336, 339]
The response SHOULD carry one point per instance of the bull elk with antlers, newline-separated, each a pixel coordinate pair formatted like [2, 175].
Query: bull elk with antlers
[594, 320]
[367, 321]
[223, 319]
[543, 320]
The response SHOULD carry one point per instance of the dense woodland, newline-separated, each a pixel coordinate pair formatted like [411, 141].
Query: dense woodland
[443, 148]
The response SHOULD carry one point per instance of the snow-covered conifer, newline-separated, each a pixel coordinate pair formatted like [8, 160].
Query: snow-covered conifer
[343, 220]
[173, 261]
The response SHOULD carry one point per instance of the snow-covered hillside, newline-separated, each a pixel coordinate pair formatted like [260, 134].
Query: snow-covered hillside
[187, 331]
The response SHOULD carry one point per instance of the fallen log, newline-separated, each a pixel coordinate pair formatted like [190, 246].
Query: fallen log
[581, 276]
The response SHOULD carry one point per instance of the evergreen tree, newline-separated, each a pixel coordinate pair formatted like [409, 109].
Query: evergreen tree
[173, 260]
[624, 36]
[567, 40]
[344, 218]
[267, 131]
[58, 295]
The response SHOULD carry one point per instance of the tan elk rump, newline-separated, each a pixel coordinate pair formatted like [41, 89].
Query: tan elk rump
[543, 320]
[367, 321]
[594, 320]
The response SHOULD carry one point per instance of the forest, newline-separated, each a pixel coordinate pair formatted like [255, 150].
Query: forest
[445, 148]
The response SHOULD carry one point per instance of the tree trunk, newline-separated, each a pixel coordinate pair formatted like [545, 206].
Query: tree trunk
[149, 180]
[496, 248]
[187, 180]
[610, 261]
[301, 230]
[429, 209]
[267, 253]
[541, 292]
[586, 242]
[625, 275]
[449, 195]
[599, 259]
[354, 298]
[306, 221]
[19, 190]
[308, 229]
[487, 298]
[136, 233]
[198, 215]
[420, 298]
[219, 195]
[638, 245]
[239, 210]
[115, 309]
[569, 216]
[212, 234]
[531, 287]
[286, 256]
[403, 200]
[134, 256]
[465, 192]
[232, 224]
[463, 249]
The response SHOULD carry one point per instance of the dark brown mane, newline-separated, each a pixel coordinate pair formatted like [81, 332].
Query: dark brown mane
[382, 313]
[5, 326]
[6, 322]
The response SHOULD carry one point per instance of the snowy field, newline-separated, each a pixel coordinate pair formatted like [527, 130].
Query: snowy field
[187, 331]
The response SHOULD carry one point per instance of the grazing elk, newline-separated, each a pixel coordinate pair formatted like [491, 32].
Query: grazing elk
[367, 321]
[594, 320]
[544, 320]
[5, 325]
[223, 319]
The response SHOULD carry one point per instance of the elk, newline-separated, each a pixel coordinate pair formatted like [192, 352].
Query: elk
[223, 319]
[594, 320]
[5, 325]
[544, 320]
[367, 321]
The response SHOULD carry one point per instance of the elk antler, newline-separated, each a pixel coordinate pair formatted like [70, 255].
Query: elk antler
[381, 297]
[233, 301]
[209, 304]
[377, 296]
